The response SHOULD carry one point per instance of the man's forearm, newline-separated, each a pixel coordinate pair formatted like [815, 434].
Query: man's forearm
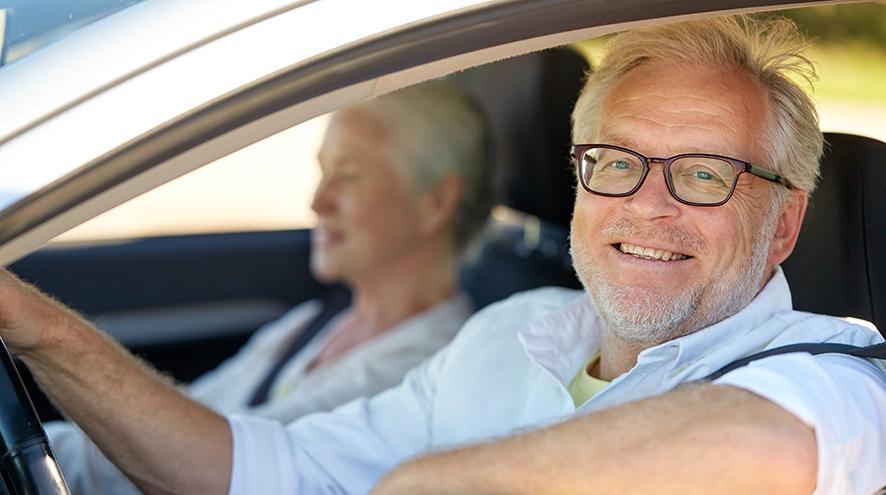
[163, 441]
[700, 439]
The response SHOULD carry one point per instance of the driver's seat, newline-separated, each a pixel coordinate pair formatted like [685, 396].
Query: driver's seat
[839, 264]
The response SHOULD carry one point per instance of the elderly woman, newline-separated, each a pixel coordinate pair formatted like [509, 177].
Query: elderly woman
[403, 191]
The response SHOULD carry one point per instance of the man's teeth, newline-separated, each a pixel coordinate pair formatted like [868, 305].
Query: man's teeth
[649, 253]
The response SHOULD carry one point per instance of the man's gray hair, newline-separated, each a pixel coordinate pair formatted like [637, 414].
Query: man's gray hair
[770, 50]
[438, 131]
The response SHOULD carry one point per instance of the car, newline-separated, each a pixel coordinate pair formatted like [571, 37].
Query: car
[135, 94]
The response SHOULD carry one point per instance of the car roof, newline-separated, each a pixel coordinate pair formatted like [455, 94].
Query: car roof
[111, 120]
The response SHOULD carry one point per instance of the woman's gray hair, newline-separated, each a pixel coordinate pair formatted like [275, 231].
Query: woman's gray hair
[770, 50]
[438, 131]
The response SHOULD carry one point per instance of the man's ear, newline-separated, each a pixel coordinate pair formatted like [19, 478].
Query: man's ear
[440, 203]
[787, 228]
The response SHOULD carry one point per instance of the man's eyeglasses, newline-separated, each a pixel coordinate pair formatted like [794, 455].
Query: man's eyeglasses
[697, 179]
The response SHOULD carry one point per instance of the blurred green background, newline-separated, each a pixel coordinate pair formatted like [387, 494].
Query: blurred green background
[849, 48]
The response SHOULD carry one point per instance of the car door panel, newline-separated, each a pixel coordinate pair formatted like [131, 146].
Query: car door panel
[183, 303]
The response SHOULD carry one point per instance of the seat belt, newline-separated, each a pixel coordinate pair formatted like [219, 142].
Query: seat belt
[876, 351]
[333, 302]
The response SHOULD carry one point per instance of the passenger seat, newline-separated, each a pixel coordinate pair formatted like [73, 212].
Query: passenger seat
[529, 101]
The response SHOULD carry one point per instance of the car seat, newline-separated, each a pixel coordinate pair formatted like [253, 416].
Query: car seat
[528, 100]
[839, 264]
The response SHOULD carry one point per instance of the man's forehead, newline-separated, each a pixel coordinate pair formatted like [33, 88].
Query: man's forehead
[657, 110]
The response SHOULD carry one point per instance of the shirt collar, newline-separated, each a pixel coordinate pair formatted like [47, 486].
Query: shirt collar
[562, 342]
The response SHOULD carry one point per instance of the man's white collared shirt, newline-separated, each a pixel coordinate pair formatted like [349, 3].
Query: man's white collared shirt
[509, 369]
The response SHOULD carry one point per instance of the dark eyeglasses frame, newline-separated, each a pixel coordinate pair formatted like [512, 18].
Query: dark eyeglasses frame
[739, 166]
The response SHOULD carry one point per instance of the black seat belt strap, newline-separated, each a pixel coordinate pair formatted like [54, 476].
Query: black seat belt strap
[876, 351]
[333, 302]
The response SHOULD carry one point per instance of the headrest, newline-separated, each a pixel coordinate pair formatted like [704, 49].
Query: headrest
[529, 101]
[839, 264]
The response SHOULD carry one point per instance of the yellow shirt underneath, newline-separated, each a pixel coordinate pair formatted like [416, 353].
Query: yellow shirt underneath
[584, 386]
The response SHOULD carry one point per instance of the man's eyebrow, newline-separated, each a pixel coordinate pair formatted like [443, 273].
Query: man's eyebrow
[624, 142]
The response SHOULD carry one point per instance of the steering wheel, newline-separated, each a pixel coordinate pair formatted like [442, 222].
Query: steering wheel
[27, 464]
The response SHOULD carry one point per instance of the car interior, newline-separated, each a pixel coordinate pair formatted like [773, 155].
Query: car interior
[185, 303]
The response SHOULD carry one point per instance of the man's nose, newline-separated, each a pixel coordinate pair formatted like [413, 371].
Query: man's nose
[653, 199]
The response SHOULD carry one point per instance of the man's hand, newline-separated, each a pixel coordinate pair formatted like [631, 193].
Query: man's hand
[26, 316]
[163, 441]
[707, 439]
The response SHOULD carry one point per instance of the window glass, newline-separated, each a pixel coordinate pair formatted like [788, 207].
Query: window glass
[31, 25]
[265, 186]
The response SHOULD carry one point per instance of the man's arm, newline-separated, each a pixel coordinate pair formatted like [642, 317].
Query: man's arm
[699, 439]
[163, 441]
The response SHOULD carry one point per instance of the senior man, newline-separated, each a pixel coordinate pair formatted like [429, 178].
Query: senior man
[695, 154]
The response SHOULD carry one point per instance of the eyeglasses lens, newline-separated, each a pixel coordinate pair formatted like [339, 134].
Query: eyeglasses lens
[702, 180]
[699, 180]
[609, 171]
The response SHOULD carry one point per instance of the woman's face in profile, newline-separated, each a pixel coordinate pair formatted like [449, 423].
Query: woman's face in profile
[367, 214]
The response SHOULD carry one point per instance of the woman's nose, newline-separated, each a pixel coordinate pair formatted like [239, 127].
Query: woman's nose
[323, 197]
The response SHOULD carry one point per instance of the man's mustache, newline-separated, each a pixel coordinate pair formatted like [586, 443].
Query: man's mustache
[624, 229]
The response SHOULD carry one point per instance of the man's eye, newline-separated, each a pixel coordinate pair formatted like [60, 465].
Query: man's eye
[703, 175]
[620, 165]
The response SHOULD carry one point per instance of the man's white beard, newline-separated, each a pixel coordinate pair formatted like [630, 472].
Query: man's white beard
[645, 316]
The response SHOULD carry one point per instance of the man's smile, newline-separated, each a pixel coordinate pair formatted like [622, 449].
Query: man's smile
[649, 253]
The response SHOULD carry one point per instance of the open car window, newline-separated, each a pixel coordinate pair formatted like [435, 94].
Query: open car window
[32, 25]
